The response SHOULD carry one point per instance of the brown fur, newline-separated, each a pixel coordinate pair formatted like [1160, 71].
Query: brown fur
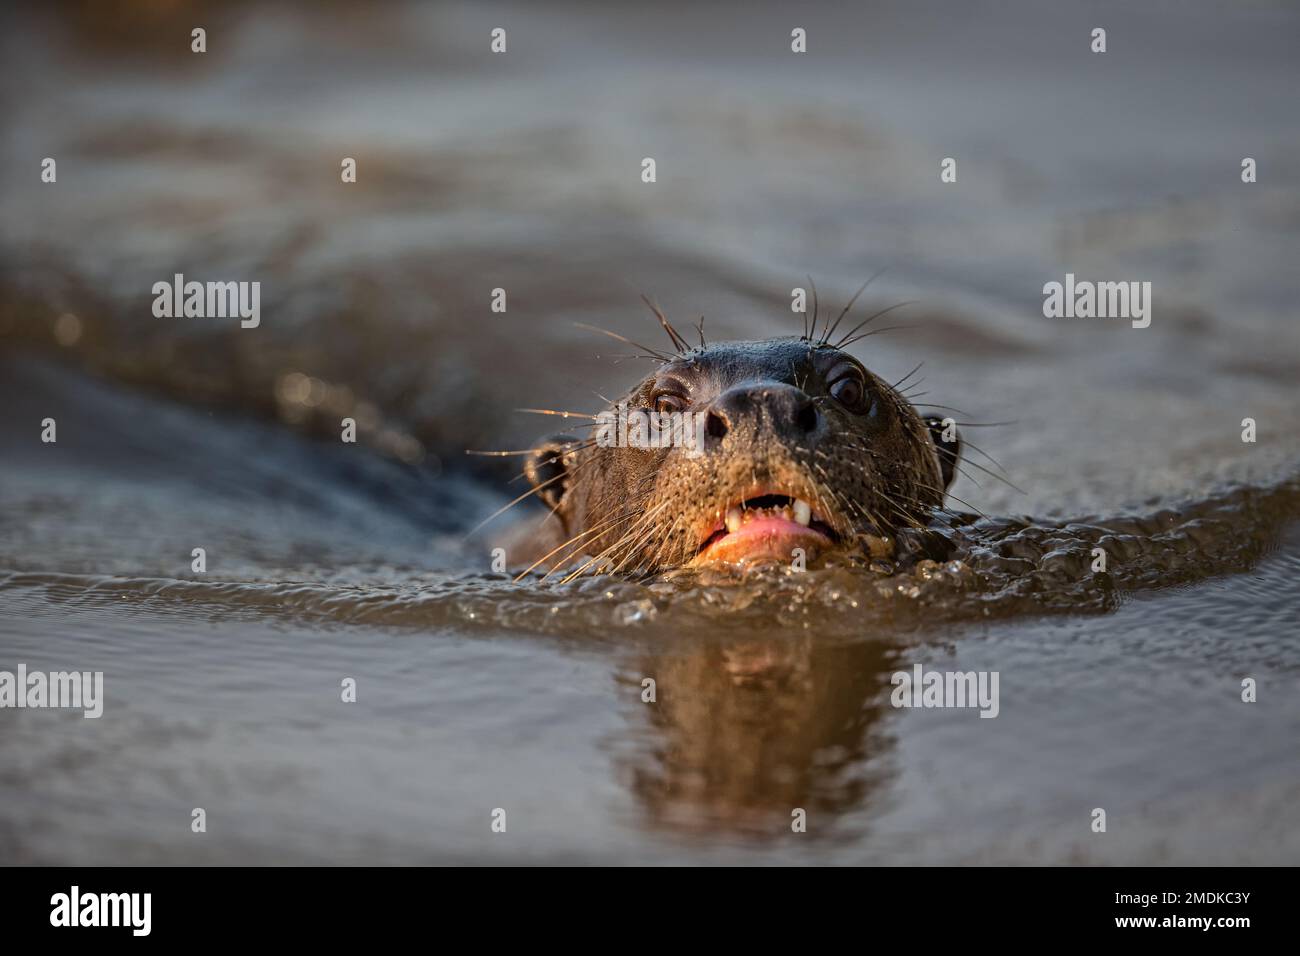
[867, 470]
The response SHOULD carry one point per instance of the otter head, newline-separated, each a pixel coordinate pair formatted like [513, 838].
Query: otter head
[778, 444]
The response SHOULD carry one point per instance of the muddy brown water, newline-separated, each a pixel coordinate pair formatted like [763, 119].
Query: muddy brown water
[1118, 690]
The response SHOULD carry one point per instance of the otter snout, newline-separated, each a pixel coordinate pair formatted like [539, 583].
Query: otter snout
[771, 409]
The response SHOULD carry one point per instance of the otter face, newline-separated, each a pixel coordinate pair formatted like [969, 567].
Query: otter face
[802, 447]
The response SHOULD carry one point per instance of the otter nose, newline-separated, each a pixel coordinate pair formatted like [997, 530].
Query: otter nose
[779, 409]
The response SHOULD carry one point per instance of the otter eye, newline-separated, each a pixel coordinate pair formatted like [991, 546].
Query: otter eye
[851, 392]
[665, 403]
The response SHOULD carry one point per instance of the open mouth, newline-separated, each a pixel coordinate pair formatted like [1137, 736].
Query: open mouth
[768, 526]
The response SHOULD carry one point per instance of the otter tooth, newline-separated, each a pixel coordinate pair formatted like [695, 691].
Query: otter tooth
[734, 520]
[802, 512]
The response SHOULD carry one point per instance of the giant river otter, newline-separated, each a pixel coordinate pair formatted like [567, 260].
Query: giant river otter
[797, 446]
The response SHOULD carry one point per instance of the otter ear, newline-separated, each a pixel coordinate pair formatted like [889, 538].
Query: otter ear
[947, 445]
[547, 468]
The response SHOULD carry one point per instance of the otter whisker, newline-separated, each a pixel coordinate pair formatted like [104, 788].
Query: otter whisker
[540, 486]
[601, 555]
[647, 561]
[568, 449]
[556, 412]
[568, 473]
[908, 375]
[635, 547]
[904, 513]
[877, 523]
[846, 504]
[679, 343]
[655, 353]
[967, 475]
[949, 494]
[811, 328]
[496, 454]
[874, 520]
[802, 385]
[847, 339]
[949, 408]
[830, 329]
[576, 538]
[916, 502]
[866, 335]
[990, 472]
[643, 520]
[908, 518]
[620, 358]
[984, 453]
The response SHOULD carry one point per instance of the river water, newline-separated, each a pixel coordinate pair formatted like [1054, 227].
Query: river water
[522, 171]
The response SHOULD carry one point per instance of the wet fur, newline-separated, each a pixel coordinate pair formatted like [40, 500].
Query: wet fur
[636, 510]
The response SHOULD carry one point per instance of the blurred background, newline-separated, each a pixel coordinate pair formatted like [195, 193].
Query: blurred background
[521, 171]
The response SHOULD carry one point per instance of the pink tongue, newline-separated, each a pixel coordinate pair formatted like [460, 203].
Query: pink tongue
[766, 524]
[763, 537]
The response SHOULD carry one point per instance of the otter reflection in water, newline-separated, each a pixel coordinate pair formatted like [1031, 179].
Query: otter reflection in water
[744, 732]
[805, 452]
